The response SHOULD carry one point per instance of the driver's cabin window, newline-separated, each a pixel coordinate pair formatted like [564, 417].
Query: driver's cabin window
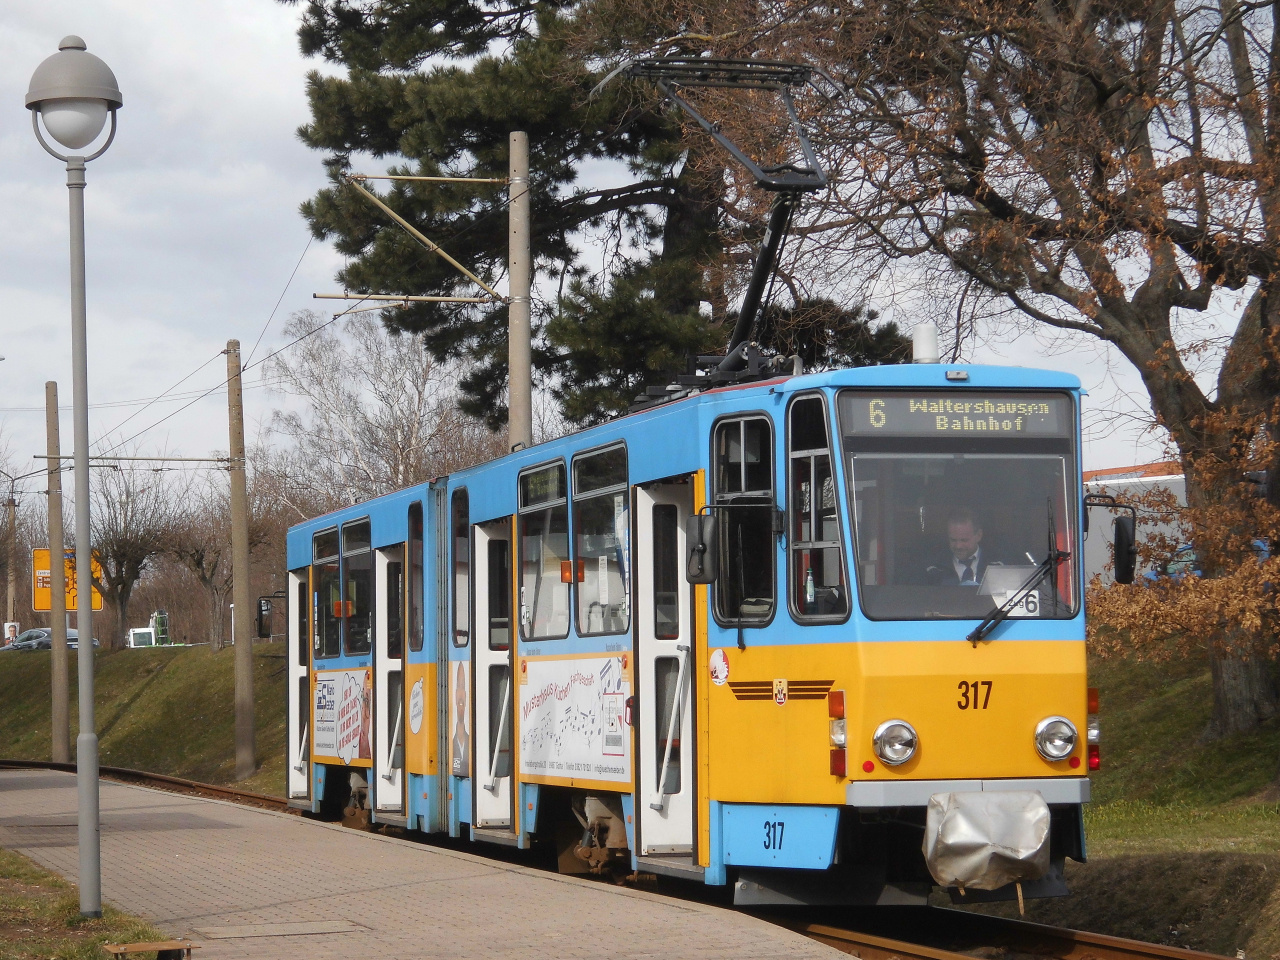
[744, 506]
[815, 578]
[327, 602]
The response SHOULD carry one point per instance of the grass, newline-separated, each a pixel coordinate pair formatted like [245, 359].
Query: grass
[164, 710]
[1153, 717]
[1125, 827]
[40, 917]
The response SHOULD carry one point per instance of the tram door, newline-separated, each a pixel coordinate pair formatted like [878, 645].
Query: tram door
[493, 693]
[299, 689]
[664, 655]
[388, 681]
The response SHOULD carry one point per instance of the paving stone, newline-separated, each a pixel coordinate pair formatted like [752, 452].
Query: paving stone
[188, 863]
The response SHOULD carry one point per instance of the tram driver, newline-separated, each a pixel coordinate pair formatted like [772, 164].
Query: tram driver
[967, 560]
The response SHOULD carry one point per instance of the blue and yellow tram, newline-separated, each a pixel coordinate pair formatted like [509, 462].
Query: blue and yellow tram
[820, 636]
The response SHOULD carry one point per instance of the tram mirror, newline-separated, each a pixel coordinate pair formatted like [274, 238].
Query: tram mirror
[1126, 551]
[264, 618]
[700, 534]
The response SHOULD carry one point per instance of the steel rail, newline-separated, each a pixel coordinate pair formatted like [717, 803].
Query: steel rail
[161, 781]
[1014, 937]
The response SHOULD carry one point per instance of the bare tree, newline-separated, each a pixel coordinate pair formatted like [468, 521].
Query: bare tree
[1104, 170]
[199, 538]
[378, 414]
[132, 514]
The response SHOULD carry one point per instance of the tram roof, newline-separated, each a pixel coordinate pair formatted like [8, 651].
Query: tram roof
[664, 440]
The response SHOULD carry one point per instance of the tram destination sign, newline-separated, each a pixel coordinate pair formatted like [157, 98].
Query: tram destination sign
[955, 414]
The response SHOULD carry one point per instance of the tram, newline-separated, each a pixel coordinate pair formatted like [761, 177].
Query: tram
[730, 638]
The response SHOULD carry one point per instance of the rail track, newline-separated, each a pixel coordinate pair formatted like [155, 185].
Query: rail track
[162, 782]
[940, 934]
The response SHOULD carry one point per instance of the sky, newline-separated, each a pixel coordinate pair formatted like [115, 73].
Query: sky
[193, 232]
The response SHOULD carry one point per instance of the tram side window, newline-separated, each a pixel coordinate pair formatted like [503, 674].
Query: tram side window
[816, 578]
[744, 501]
[395, 609]
[415, 577]
[499, 724]
[327, 607]
[602, 541]
[545, 568]
[666, 572]
[666, 729]
[357, 587]
[304, 620]
[461, 537]
[499, 595]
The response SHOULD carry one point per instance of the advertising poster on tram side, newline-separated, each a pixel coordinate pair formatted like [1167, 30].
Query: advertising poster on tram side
[343, 712]
[572, 719]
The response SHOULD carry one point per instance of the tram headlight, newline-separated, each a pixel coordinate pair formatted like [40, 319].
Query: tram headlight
[1056, 738]
[895, 742]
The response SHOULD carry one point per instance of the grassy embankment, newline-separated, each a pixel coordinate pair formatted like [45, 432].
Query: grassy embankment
[1184, 837]
[165, 710]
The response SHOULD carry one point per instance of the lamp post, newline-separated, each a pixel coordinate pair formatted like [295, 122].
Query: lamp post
[73, 92]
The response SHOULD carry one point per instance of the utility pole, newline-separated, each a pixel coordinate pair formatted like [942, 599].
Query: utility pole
[11, 513]
[519, 257]
[241, 635]
[57, 581]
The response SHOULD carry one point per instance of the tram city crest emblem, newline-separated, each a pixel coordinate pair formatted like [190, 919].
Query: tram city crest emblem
[780, 691]
[719, 668]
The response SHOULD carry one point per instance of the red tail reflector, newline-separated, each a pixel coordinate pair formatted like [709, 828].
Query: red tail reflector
[1095, 757]
[868, 766]
[1093, 699]
[838, 762]
[835, 704]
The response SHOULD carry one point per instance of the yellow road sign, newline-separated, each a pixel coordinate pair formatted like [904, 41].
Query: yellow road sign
[42, 596]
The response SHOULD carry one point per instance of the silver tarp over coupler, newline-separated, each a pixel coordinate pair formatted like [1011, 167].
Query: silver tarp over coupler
[985, 841]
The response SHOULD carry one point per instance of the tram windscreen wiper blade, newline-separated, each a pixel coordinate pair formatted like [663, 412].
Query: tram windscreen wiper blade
[1001, 613]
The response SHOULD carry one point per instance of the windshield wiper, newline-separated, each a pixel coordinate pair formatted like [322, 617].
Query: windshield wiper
[1048, 568]
[1001, 613]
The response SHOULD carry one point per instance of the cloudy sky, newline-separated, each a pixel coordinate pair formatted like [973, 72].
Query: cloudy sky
[193, 228]
[191, 216]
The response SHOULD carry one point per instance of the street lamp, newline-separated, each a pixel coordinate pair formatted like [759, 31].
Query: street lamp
[74, 91]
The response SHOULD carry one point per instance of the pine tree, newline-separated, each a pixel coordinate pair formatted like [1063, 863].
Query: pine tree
[433, 89]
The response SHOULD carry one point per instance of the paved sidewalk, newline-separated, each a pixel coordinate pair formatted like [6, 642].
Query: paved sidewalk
[201, 868]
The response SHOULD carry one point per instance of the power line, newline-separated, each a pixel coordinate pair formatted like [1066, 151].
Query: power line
[175, 386]
[107, 404]
[281, 300]
[309, 333]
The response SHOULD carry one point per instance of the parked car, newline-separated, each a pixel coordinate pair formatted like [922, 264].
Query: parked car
[41, 638]
[37, 638]
[73, 640]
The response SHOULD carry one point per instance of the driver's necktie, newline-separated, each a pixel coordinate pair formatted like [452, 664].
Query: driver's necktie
[967, 576]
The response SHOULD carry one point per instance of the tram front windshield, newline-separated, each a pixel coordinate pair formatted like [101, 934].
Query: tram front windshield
[957, 499]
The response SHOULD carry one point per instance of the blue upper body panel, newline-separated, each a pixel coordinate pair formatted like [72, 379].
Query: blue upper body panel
[671, 440]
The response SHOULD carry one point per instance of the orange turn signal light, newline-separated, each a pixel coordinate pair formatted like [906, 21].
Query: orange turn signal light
[1093, 699]
[835, 704]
